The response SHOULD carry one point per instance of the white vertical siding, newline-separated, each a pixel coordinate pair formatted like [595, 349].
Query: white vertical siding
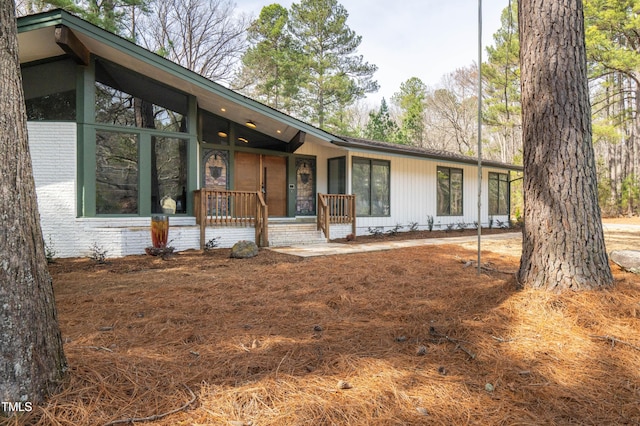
[414, 194]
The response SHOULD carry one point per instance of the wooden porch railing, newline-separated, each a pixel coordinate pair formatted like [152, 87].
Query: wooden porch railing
[232, 208]
[336, 208]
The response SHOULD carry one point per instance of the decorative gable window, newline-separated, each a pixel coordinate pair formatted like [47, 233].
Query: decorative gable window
[449, 191]
[124, 98]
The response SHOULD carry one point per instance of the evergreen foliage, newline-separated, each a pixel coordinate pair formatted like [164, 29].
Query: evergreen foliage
[411, 101]
[307, 57]
[114, 16]
[271, 65]
[381, 126]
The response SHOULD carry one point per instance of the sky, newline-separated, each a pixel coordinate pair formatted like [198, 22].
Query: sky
[412, 38]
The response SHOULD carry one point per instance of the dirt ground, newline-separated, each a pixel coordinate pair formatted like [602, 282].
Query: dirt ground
[402, 337]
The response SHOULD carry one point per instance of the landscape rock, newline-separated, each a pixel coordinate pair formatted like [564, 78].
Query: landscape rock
[244, 250]
[629, 260]
[344, 385]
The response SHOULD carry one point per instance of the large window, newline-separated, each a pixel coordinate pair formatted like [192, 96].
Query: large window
[117, 169]
[168, 174]
[498, 193]
[124, 98]
[370, 183]
[142, 148]
[449, 191]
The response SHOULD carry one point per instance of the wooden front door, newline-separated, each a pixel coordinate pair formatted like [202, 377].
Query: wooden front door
[254, 172]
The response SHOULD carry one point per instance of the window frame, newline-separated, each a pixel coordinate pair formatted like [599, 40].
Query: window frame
[371, 162]
[450, 170]
[495, 177]
[86, 154]
[144, 138]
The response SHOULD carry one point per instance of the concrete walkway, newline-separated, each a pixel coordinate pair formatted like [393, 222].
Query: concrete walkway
[311, 250]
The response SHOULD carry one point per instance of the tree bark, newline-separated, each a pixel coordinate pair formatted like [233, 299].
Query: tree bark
[563, 244]
[31, 357]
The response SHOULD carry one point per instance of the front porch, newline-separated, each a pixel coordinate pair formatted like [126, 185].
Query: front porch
[246, 209]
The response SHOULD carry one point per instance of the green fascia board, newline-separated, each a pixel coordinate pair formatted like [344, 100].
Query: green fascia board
[40, 20]
[62, 17]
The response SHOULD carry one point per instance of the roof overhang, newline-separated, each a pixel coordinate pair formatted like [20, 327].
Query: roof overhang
[37, 40]
[412, 151]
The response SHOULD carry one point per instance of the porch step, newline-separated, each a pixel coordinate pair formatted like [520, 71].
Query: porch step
[286, 234]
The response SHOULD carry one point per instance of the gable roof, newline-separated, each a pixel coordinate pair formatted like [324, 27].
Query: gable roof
[415, 151]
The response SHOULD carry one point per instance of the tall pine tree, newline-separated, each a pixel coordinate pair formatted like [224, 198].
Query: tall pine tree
[411, 101]
[563, 243]
[32, 360]
[334, 75]
[271, 66]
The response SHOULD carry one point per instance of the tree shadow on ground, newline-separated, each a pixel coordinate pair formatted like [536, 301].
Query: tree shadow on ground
[409, 336]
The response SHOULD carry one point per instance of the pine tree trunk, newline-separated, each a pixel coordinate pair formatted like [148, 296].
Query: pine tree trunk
[563, 243]
[31, 357]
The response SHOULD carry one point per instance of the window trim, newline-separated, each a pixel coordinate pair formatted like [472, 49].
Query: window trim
[450, 169]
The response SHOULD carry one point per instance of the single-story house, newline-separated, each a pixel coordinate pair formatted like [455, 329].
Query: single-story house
[118, 134]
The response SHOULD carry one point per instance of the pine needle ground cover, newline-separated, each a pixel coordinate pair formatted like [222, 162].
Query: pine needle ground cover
[403, 337]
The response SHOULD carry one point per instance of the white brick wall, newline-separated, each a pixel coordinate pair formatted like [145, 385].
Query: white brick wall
[53, 155]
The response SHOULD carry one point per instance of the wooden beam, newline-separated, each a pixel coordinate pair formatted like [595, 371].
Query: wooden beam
[68, 41]
[296, 142]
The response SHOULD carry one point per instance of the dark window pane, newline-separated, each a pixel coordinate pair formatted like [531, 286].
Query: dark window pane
[371, 186]
[450, 192]
[456, 192]
[361, 186]
[168, 175]
[116, 173]
[493, 193]
[58, 107]
[54, 96]
[443, 191]
[337, 178]
[125, 98]
[380, 189]
[498, 193]
[114, 106]
[215, 130]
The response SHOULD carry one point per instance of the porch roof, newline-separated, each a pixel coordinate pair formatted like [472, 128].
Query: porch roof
[415, 151]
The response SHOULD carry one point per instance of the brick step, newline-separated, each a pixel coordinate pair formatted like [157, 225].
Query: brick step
[286, 234]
